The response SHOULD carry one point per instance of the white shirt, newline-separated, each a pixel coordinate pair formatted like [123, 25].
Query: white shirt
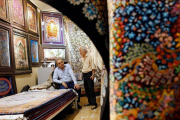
[88, 64]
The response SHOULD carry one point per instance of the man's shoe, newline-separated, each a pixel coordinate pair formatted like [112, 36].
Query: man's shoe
[79, 107]
[94, 107]
[87, 104]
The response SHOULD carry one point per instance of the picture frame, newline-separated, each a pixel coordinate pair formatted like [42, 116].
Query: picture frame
[6, 50]
[8, 84]
[50, 53]
[4, 10]
[32, 18]
[21, 52]
[17, 10]
[34, 48]
[52, 28]
[53, 53]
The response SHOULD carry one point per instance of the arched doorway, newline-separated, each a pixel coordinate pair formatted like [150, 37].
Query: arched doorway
[95, 26]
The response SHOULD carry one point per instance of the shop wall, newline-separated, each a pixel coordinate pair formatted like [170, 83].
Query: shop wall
[26, 79]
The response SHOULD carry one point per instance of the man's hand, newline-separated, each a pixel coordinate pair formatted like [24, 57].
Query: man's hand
[76, 86]
[65, 85]
[92, 77]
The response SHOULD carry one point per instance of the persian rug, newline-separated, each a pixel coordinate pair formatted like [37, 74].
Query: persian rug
[27, 101]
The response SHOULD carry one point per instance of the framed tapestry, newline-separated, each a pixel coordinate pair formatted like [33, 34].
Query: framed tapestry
[52, 28]
[17, 13]
[6, 61]
[4, 11]
[21, 52]
[34, 47]
[51, 52]
[8, 84]
[32, 18]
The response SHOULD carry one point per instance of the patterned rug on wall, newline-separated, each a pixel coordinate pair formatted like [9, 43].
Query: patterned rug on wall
[144, 59]
[75, 38]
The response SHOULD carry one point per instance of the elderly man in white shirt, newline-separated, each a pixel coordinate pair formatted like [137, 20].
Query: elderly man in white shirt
[63, 74]
[88, 71]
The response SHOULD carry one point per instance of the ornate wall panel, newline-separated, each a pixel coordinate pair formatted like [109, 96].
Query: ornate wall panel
[144, 59]
[22, 52]
[76, 39]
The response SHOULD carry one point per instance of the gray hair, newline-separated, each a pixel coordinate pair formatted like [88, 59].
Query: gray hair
[84, 48]
[58, 59]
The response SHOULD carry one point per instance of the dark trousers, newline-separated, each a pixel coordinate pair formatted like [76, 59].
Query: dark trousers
[71, 85]
[89, 88]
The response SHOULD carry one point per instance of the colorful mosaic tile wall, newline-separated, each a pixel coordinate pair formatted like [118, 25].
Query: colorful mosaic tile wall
[144, 59]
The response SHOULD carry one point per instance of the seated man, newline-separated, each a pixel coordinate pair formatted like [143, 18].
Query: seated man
[63, 74]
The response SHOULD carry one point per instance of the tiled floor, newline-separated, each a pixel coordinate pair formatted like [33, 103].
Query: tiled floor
[85, 113]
